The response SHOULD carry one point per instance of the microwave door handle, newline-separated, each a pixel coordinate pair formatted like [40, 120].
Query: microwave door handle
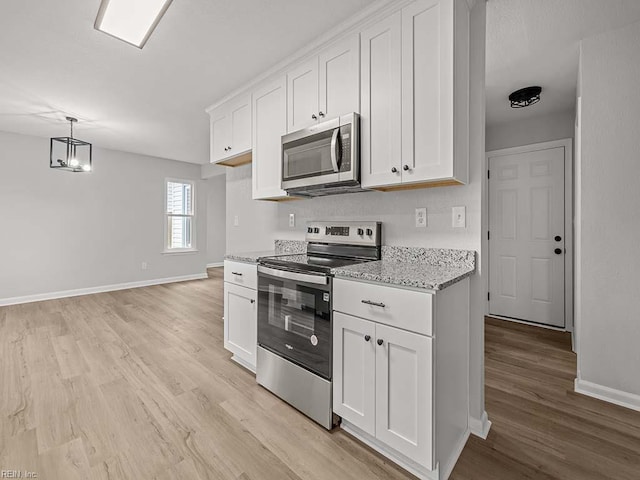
[334, 150]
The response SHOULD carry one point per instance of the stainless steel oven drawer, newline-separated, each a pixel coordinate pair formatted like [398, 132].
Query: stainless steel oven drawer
[307, 392]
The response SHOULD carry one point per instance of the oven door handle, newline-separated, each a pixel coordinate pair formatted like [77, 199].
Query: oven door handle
[317, 279]
[335, 146]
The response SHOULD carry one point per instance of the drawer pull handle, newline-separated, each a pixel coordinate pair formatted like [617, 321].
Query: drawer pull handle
[236, 273]
[367, 338]
[375, 304]
[380, 341]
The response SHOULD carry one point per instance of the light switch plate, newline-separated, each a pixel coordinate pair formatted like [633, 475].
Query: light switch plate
[459, 215]
[421, 217]
[292, 219]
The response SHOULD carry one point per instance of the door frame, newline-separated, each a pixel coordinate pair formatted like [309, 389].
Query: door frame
[567, 143]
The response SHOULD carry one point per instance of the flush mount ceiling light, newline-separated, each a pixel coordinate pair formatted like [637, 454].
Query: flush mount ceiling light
[70, 154]
[131, 21]
[525, 97]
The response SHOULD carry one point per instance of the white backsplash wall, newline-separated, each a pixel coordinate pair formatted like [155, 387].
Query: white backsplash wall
[261, 222]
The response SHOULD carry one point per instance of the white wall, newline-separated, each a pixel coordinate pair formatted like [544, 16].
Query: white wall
[609, 324]
[216, 218]
[65, 231]
[545, 128]
[261, 222]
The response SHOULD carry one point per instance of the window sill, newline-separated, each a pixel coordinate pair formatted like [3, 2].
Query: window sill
[180, 251]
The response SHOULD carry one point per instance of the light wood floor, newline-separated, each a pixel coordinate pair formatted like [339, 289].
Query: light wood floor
[136, 385]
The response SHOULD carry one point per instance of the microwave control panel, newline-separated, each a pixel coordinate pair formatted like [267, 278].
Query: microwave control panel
[345, 148]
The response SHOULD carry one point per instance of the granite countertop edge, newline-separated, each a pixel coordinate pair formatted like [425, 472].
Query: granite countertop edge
[391, 273]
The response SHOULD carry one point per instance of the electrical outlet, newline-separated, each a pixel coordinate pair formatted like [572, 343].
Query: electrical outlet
[144, 265]
[292, 219]
[236, 221]
[421, 217]
[459, 215]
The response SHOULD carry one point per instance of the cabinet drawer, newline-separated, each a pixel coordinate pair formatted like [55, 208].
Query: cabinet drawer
[392, 306]
[243, 274]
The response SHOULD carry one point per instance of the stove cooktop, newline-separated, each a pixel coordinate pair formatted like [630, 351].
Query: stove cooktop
[312, 263]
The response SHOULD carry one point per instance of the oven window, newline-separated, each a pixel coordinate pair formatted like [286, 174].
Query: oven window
[308, 157]
[297, 310]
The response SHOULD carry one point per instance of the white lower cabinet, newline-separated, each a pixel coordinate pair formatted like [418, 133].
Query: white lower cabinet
[401, 371]
[382, 384]
[241, 320]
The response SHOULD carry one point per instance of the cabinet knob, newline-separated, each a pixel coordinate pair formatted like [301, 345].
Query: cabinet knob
[558, 238]
[405, 168]
[380, 341]
[253, 301]
[229, 148]
[557, 251]
[321, 114]
[367, 338]
[313, 116]
[394, 170]
[226, 148]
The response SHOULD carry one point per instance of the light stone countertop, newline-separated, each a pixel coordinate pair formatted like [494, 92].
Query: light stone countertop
[428, 268]
[281, 247]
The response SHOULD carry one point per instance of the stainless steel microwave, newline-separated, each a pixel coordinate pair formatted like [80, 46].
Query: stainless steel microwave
[323, 159]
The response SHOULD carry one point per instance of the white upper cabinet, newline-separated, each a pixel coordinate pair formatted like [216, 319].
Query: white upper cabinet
[231, 132]
[269, 124]
[302, 101]
[433, 68]
[324, 86]
[339, 82]
[381, 113]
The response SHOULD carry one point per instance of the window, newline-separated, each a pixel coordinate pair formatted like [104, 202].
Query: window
[180, 217]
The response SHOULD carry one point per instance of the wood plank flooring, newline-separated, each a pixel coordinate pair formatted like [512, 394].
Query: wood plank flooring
[135, 384]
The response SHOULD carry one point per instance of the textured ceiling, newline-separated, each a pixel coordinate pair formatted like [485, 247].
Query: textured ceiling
[151, 101]
[536, 42]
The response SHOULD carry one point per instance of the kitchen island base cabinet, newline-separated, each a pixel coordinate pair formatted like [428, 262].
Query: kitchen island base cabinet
[241, 313]
[402, 392]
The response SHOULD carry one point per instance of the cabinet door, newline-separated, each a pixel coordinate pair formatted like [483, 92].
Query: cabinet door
[339, 80]
[302, 96]
[427, 76]
[241, 323]
[269, 124]
[220, 130]
[404, 402]
[240, 122]
[354, 371]
[380, 121]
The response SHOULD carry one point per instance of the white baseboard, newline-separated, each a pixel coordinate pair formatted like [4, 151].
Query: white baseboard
[480, 426]
[611, 395]
[101, 289]
[215, 264]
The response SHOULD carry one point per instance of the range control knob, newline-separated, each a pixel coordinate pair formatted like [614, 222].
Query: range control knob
[316, 230]
[309, 230]
[360, 231]
[369, 232]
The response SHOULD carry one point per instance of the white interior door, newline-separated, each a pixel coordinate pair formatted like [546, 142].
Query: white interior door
[527, 236]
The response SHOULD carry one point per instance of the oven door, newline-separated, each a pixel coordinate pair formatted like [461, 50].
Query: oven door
[294, 317]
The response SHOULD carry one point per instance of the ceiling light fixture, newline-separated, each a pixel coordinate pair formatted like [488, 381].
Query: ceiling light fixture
[131, 21]
[525, 97]
[70, 154]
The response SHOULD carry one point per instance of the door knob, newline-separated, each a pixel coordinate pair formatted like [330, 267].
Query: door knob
[558, 251]
[394, 170]
[367, 338]
[380, 341]
[558, 238]
[313, 116]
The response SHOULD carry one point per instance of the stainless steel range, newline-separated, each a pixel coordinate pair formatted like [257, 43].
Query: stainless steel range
[295, 315]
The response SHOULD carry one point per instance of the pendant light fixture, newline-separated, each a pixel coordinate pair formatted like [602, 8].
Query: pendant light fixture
[70, 154]
[525, 97]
